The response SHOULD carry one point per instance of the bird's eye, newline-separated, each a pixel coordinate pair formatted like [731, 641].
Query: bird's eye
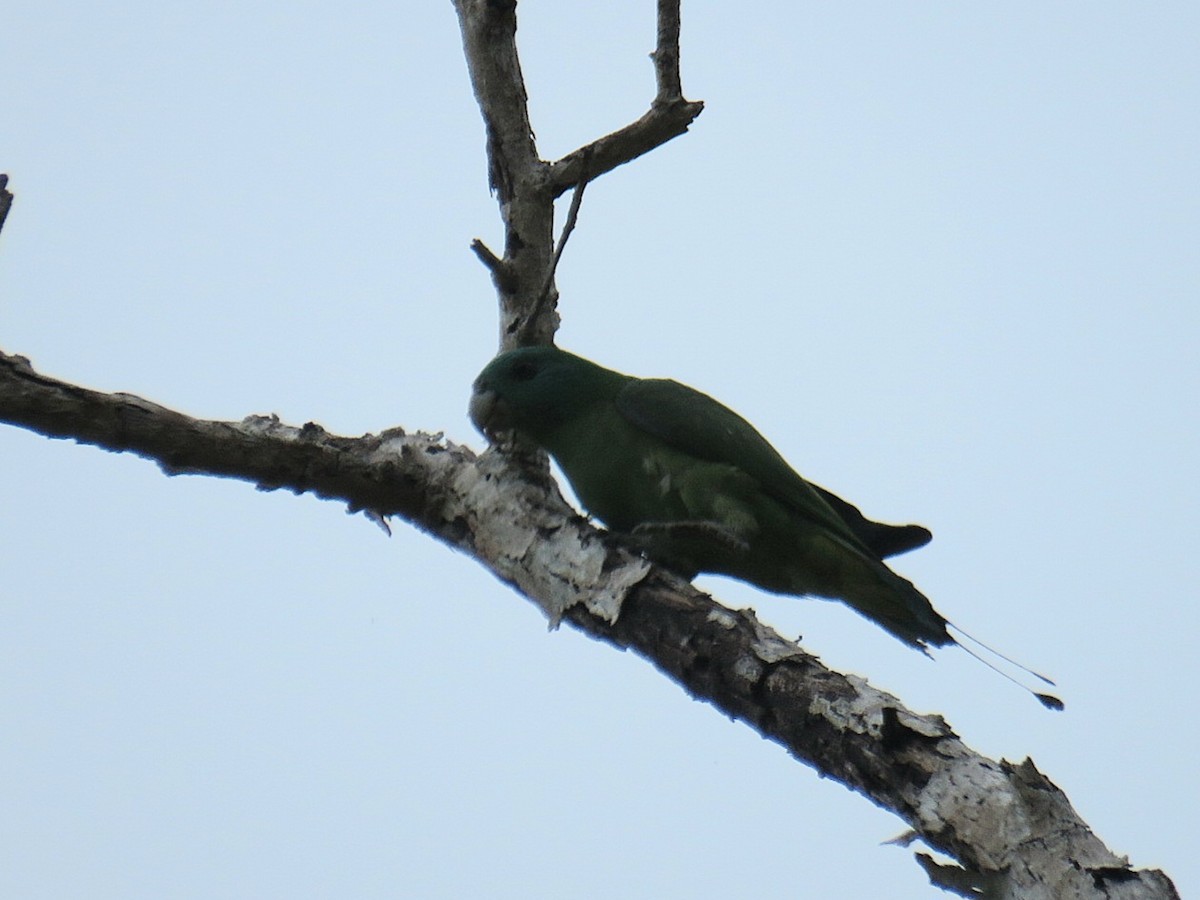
[524, 370]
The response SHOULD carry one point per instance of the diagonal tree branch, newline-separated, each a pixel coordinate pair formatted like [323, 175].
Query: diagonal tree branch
[1013, 832]
[652, 130]
[439, 486]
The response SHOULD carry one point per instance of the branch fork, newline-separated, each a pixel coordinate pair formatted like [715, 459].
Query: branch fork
[526, 186]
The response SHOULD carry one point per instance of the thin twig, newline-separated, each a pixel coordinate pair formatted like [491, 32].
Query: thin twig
[502, 274]
[6, 199]
[486, 256]
[568, 227]
[669, 115]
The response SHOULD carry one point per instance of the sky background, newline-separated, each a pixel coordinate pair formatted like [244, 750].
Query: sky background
[945, 256]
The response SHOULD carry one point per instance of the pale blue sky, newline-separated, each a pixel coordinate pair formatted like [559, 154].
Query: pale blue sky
[945, 256]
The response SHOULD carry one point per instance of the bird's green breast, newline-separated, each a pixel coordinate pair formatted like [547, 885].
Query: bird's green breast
[606, 462]
[625, 477]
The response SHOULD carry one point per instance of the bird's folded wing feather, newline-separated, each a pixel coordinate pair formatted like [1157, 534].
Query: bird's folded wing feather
[696, 424]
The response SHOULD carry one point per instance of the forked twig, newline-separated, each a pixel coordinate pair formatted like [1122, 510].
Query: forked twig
[526, 186]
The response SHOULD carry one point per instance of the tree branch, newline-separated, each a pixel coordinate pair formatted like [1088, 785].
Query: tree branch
[526, 185]
[534, 315]
[440, 487]
[1013, 833]
[655, 128]
[516, 173]
[669, 116]
[666, 54]
[6, 199]
[1012, 830]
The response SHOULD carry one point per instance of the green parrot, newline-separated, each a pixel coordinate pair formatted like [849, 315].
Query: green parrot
[698, 489]
[695, 487]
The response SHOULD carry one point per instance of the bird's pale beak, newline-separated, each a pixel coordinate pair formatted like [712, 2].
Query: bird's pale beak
[489, 413]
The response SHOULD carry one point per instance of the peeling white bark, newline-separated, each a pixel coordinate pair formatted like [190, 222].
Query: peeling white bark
[540, 548]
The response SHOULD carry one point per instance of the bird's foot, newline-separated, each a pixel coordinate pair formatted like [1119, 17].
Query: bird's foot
[701, 530]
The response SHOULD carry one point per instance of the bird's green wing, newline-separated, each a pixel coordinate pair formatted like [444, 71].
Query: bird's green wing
[696, 424]
[885, 540]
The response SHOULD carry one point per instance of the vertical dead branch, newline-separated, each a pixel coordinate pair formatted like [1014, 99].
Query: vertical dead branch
[516, 173]
[666, 54]
[525, 184]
